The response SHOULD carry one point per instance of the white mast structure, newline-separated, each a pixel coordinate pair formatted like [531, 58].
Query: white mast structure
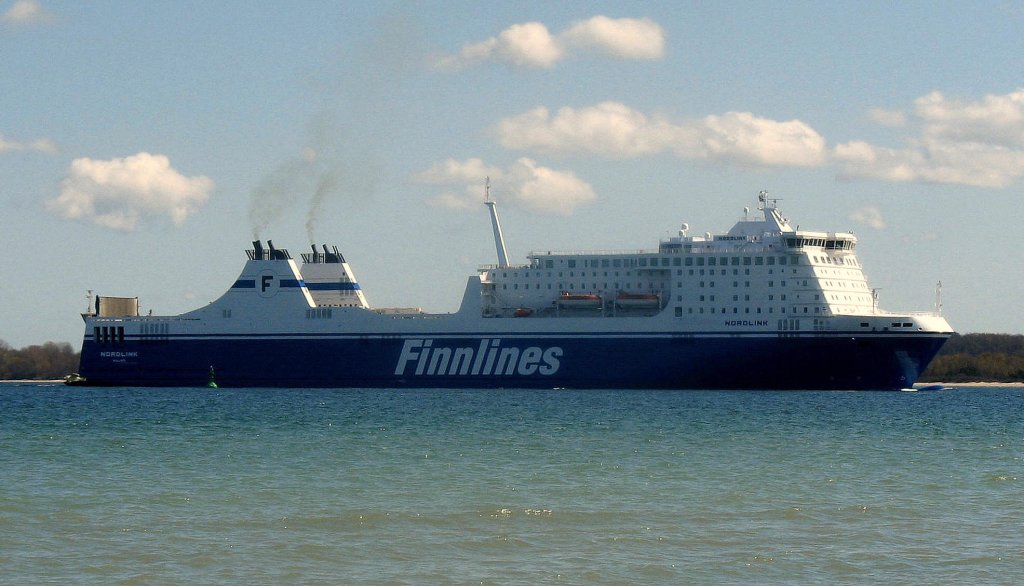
[499, 240]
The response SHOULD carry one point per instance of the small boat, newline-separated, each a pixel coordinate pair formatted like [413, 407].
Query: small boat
[624, 299]
[523, 312]
[74, 379]
[579, 300]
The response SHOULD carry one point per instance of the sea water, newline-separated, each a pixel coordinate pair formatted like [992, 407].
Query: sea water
[371, 486]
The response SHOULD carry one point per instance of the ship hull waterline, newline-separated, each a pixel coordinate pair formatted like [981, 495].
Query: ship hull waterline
[658, 361]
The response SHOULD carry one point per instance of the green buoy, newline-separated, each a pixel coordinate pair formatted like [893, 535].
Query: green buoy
[213, 383]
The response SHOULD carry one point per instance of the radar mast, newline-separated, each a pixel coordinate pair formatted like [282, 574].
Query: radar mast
[499, 240]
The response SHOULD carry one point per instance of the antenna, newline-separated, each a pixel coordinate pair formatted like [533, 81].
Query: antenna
[499, 240]
[938, 298]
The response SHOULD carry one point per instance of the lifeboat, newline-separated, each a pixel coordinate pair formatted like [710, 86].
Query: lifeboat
[579, 300]
[523, 312]
[624, 299]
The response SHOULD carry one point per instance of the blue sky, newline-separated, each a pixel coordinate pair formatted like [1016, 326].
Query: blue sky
[143, 145]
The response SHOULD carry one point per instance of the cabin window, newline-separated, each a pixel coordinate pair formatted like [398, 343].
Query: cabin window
[617, 262]
[735, 261]
[700, 261]
[571, 263]
[676, 261]
[664, 262]
[746, 261]
[712, 261]
[758, 260]
[689, 261]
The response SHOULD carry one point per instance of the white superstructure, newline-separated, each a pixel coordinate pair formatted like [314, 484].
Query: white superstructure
[761, 272]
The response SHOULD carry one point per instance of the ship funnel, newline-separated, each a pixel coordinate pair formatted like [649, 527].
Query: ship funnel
[332, 256]
[257, 249]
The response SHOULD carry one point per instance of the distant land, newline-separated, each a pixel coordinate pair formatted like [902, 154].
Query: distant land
[978, 357]
[51, 360]
[964, 358]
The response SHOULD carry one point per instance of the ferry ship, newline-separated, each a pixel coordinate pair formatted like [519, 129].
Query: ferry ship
[762, 306]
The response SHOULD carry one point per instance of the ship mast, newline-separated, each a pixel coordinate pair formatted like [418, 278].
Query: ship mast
[499, 240]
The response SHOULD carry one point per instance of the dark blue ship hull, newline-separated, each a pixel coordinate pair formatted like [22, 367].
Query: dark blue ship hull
[655, 361]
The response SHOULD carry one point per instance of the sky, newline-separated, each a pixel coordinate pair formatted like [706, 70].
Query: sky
[144, 145]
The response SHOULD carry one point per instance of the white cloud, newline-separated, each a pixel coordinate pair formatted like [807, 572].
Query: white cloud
[744, 139]
[524, 184]
[531, 44]
[612, 129]
[25, 12]
[996, 120]
[609, 129]
[42, 145]
[869, 216]
[119, 192]
[976, 143]
[452, 171]
[624, 38]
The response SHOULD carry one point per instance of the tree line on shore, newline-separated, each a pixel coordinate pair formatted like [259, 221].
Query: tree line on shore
[979, 358]
[964, 358]
[51, 360]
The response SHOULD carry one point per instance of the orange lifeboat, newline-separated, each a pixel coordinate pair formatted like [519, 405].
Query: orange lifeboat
[579, 300]
[624, 299]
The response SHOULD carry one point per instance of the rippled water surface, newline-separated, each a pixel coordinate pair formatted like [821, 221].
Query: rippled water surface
[172, 486]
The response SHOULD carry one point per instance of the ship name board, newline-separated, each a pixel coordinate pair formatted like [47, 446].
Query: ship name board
[489, 357]
[746, 322]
